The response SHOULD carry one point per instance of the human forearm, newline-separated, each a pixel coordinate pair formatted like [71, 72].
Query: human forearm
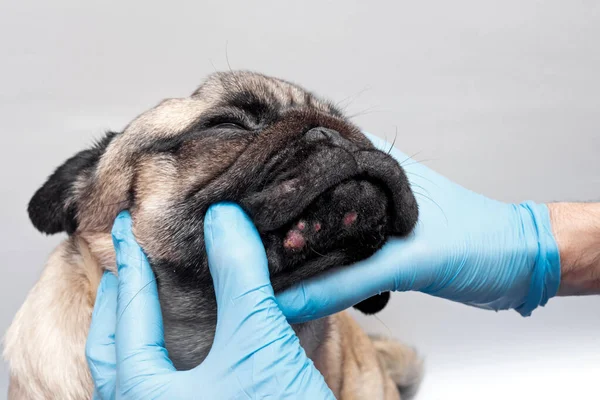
[576, 227]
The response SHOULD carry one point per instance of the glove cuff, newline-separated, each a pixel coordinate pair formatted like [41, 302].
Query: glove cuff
[545, 278]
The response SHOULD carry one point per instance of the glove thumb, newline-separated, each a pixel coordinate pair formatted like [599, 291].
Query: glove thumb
[236, 258]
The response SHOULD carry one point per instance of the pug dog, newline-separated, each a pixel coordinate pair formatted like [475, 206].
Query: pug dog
[320, 194]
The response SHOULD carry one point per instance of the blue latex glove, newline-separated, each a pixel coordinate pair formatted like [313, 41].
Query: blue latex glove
[466, 248]
[255, 353]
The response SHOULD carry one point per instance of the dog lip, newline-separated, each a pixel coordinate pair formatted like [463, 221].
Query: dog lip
[303, 178]
[285, 200]
[268, 218]
[379, 166]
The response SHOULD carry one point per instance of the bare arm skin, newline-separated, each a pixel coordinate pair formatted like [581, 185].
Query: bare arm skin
[576, 227]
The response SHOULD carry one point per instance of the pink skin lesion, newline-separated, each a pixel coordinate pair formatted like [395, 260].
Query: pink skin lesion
[350, 218]
[294, 240]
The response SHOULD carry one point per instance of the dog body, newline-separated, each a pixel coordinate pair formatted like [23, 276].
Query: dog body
[318, 192]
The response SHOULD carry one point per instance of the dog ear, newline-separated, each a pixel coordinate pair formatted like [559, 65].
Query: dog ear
[374, 304]
[53, 207]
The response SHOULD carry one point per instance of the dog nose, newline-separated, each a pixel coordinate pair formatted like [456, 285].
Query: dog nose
[322, 133]
[329, 136]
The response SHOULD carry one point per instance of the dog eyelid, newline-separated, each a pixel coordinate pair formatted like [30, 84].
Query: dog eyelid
[230, 125]
[228, 117]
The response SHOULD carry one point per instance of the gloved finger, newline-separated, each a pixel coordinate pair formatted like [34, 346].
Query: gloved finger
[100, 349]
[236, 258]
[139, 333]
[247, 309]
[389, 269]
[96, 396]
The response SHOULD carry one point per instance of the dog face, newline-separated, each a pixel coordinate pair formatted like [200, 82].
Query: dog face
[317, 190]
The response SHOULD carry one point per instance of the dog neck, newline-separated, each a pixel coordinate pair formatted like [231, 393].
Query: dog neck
[189, 317]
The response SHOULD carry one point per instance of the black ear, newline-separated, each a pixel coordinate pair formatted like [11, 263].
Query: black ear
[53, 208]
[374, 304]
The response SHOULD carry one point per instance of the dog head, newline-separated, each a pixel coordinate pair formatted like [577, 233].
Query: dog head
[317, 190]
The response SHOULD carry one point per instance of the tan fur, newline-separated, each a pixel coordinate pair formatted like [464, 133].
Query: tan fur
[402, 364]
[45, 345]
[353, 368]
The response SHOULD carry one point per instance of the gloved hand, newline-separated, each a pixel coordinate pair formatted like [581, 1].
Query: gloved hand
[466, 248]
[255, 353]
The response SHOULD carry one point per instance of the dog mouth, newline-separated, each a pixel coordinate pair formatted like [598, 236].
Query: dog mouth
[326, 198]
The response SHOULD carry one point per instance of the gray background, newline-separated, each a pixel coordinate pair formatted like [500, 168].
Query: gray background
[500, 96]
